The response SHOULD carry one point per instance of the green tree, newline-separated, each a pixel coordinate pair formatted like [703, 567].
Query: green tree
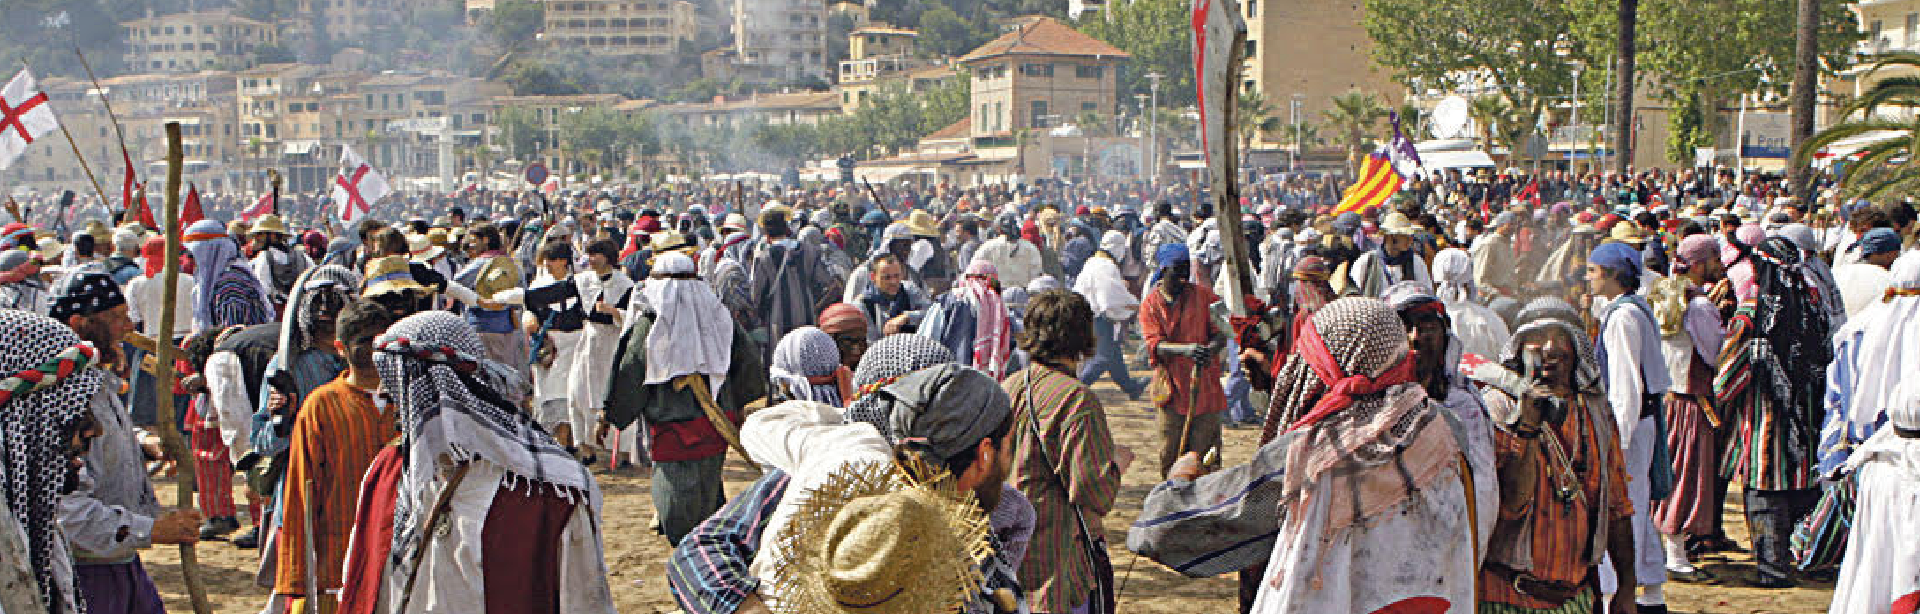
[531, 78]
[1255, 117]
[1354, 118]
[1159, 35]
[1504, 44]
[944, 32]
[520, 131]
[514, 22]
[1488, 112]
[1886, 168]
[1686, 129]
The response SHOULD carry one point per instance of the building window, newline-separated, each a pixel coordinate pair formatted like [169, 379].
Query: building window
[1253, 48]
[1088, 72]
[1089, 106]
[1038, 118]
[1037, 70]
[1253, 8]
[1913, 23]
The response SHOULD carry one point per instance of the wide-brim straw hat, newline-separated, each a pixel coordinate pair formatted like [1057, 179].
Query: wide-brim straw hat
[390, 274]
[872, 540]
[422, 249]
[922, 224]
[269, 223]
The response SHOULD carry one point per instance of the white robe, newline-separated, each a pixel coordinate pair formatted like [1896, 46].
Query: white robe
[593, 357]
[1424, 549]
[1882, 563]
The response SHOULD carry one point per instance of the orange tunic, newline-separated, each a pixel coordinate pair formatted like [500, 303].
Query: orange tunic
[1183, 321]
[335, 438]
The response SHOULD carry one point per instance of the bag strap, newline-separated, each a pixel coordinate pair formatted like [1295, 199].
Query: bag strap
[1040, 447]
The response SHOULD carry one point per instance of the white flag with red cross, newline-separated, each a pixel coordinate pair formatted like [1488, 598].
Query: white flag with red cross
[24, 116]
[357, 186]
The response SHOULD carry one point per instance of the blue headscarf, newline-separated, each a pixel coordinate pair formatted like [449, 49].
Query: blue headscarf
[1616, 256]
[1168, 255]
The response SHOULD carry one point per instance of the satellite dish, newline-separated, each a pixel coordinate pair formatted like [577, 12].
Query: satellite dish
[1450, 118]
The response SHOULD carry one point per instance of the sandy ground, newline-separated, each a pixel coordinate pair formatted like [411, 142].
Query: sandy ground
[635, 555]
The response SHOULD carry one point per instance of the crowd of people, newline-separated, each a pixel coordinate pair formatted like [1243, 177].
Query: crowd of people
[1497, 394]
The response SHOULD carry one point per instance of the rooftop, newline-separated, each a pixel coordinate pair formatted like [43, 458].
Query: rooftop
[1045, 36]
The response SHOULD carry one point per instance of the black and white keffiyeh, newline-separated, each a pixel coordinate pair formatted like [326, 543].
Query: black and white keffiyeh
[457, 406]
[803, 357]
[889, 359]
[33, 428]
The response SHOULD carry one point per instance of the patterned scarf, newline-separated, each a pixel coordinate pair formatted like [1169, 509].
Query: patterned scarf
[456, 405]
[1363, 421]
[47, 386]
[806, 365]
[889, 359]
[993, 329]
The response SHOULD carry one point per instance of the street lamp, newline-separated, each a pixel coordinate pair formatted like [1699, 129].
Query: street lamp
[1153, 126]
[1142, 99]
[1299, 100]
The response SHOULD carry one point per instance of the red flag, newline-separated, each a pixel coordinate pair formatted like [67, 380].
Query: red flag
[260, 207]
[141, 213]
[190, 212]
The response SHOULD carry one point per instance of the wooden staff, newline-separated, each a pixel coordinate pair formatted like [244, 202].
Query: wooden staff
[13, 208]
[163, 367]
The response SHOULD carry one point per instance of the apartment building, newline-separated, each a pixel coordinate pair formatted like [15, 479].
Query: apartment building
[780, 41]
[192, 42]
[620, 27]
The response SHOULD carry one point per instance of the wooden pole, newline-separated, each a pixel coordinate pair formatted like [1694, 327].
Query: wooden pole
[118, 133]
[163, 366]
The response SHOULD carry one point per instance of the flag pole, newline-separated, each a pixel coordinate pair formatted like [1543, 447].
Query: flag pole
[163, 367]
[76, 152]
[119, 133]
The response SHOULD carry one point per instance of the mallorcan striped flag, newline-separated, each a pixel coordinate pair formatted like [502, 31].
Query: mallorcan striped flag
[1378, 181]
[1380, 176]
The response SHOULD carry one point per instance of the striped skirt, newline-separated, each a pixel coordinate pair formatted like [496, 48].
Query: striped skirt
[1692, 507]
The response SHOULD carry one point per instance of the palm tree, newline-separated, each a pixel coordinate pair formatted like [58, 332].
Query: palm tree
[1354, 117]
[1254, 116]
[1411, 119]
[1888, 167]
[1489, 112]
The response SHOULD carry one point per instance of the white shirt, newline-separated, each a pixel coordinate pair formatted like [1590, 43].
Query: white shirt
[144, 301]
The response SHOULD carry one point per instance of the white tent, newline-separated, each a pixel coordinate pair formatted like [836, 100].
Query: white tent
[1451, 153]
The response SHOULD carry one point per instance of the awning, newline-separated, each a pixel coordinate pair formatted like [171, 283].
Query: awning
[1847, 147]
[299, 148]
[1437, 160]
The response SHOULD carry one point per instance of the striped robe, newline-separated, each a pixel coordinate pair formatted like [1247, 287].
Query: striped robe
[337, 434]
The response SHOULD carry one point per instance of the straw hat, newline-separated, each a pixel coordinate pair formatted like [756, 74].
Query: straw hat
[1396, 223]
[922, 224]
[422, 249]
[389, 274]
[872, 540]
[270, 223]
[437, 236]
[664, 242]
[1629, 233]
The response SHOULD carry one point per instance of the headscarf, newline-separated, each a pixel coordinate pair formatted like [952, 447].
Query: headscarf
[455, 406]
[1166, 256]
[1788, 341]
[808, 362]
[48, 385]
[993, 328]
[1114, 243]
[223, 278]
[1105, 289]
[1886, 340]
[83, 294]
[1348, 391]
[1693, 250]
[692, 332]
[1310, 288]
[1541, 314]
[1453, 276]
[18, 266]
[946, 407]
[1616, 256]
[153, 256]
[331, 279]
[843, 319]
[890, 358]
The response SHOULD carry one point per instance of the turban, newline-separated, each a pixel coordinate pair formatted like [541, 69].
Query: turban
[1695, 249]
[1170, 254]
[841, 318]
[1312, 268]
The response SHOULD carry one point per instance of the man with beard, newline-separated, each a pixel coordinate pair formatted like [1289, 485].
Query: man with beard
[1563, 489]
[111, 512]
[46, 427]
[1393, 262]
[1437, 353]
